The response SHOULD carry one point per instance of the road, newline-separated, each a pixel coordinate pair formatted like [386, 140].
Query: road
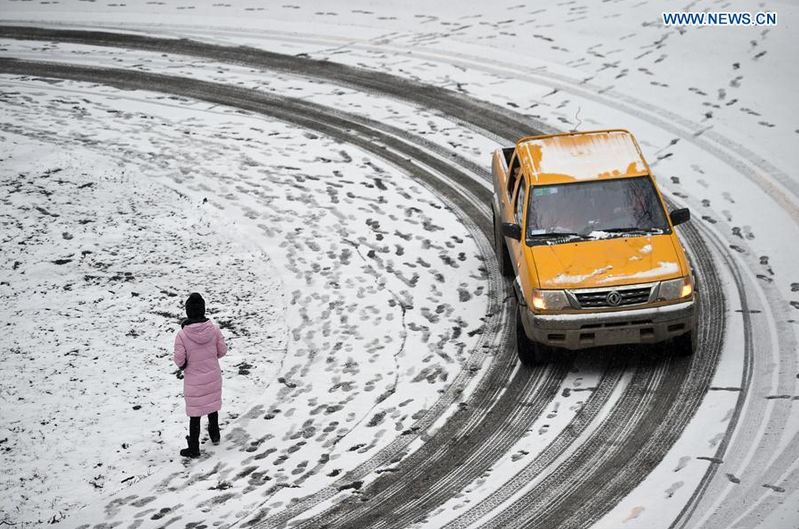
[633, 416]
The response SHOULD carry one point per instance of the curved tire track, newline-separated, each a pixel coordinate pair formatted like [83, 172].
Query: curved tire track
[432, 474]
[307, 114]
[502, 124]
[483, 117]
[693, 502]
[621, 458]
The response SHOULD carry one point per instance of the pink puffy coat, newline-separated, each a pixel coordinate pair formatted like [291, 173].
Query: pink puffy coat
[200, 346]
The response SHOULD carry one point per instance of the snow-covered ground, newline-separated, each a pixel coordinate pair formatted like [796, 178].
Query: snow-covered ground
[343, 314]
[350, 295]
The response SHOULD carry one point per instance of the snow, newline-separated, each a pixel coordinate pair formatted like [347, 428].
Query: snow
[519, 465]
[663, 268]
[92, 297]
[591, 156]
[258, 230]
[573, 279]
[714, 111]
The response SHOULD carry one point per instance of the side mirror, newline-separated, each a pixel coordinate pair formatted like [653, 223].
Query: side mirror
[513, 231]
[679, 216]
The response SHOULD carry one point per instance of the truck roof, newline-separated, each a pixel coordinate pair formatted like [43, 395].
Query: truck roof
[577, 156]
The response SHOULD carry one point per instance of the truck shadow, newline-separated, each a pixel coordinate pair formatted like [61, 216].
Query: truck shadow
[599, 359]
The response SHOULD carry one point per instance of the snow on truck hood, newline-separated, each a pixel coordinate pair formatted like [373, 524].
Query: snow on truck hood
[605, 263]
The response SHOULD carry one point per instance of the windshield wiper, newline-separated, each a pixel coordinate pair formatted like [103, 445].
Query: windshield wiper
[633, 230]
[555, 234]
[556, 237]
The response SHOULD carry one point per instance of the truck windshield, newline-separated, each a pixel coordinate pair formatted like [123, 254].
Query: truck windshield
[594, 209]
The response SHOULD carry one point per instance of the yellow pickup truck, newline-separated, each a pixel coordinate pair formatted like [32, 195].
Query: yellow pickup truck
[581, 227]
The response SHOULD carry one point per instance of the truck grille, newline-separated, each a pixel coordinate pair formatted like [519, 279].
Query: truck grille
[599, 298]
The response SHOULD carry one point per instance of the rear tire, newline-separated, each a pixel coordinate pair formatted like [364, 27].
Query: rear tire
[530, 353]
[685, 344]
[501, 251]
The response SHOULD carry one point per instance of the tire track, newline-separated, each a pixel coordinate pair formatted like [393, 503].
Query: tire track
[574, 430]
[491, 120]
[749, 450]
[621, 458]
[544, 505]
[673, 408]
[669, 391]
[210, 92]
[430, 475]
[629, 413]
[308, 115]
[719, 146]
[449, 104]
[695, 499]
[599, 499]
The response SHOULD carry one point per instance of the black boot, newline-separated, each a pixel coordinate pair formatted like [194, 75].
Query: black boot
[213, 427]
[194, 448]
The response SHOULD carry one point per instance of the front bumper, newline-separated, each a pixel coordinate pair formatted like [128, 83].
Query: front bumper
[631, 326]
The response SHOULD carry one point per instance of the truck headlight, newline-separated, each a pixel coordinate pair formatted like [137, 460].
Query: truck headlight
[680, 288]
[550, 300]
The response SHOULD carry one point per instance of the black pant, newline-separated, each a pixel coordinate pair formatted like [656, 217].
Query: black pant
[213, 425]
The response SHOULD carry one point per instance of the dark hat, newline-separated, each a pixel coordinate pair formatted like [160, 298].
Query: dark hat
[195, 306]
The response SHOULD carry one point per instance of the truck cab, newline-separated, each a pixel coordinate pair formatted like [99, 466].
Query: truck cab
[581, 228]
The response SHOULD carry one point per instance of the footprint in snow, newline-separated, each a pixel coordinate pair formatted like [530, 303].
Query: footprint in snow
[674, 488]
[682, 463]
[544, 429]
[733, 479]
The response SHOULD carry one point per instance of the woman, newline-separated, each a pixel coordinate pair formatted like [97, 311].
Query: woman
[198, 347]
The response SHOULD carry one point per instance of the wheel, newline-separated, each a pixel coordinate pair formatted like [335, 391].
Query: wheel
[501, 250]
[530, 353]
[685, 344]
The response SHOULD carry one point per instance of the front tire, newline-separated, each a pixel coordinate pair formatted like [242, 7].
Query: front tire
[531, 353]
[685, 344]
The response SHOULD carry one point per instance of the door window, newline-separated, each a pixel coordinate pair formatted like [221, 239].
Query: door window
[513, 174]
[518, 207]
